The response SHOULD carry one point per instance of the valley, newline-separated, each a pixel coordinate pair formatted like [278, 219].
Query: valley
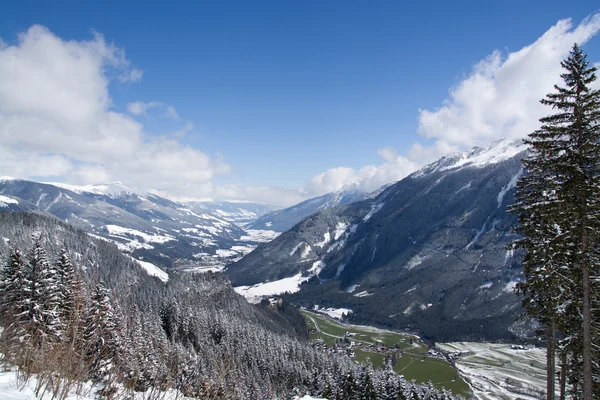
[408, 355]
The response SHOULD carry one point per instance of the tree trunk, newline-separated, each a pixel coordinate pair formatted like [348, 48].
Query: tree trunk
[587, 336]
[563, 374]
[550, 359]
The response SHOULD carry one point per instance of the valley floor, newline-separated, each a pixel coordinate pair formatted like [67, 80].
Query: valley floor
[412, 358]
[501, 371]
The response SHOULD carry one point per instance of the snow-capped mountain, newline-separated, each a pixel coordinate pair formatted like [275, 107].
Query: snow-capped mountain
[240, 213]
[283, 220]
[148, 226]
[428, 252]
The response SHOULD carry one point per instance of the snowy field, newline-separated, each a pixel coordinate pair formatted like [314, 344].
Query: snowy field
[255, 293]
[152, 269]
[336, 313]
[498, 372]
[13, 389]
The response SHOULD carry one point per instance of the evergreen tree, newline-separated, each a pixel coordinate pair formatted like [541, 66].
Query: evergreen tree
[101, 338]
[45, 301]
[10, 286]
[558, 205]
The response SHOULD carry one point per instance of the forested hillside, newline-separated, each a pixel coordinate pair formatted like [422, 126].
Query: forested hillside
[75, 309]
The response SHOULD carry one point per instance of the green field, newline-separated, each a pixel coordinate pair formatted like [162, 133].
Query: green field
[414, 364]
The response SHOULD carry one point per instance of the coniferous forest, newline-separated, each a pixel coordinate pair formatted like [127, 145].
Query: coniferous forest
[75, 309]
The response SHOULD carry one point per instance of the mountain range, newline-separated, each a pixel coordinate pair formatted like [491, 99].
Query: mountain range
[149, 227]
[285, 219]
[429, 252]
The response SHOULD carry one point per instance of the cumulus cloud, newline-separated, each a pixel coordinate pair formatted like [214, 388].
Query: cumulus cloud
[56, 120]
[498, 99]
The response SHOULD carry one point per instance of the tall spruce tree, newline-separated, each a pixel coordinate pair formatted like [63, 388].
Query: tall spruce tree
[557, 201]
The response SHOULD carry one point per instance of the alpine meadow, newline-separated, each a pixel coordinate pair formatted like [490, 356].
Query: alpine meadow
[299, 201]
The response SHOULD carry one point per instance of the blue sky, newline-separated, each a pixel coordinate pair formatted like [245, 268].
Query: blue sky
[276, 100]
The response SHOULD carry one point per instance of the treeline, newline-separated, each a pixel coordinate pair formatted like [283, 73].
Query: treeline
[67, 320]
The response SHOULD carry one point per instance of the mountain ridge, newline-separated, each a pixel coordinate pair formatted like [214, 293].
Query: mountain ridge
[429, 251]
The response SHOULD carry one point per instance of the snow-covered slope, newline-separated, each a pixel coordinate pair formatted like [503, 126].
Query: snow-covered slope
[427, 252]
[150, 227]
[283, 220]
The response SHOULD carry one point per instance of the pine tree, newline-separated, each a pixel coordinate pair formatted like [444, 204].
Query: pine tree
[557, 201]
[44, 313]
[10, 286]
[102, 339]
[14, 304]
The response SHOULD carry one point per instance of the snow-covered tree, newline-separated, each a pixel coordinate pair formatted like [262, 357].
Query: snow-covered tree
[558, 202]
[102, 339]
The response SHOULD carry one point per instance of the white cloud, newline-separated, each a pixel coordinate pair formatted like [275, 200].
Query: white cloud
[369, 178]
[56, 120]
[498, 99]
[138, 108]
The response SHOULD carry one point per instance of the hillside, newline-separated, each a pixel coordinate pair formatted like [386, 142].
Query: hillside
[427, 253]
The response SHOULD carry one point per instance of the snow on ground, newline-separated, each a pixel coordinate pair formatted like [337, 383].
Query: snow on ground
[256, 292]
[295, 249]
[374, 208]
[225, 253]
[416, 260]
[326, 239]
[339, 230]
[499, 372]
[5, 201]
[351, 288]
[333, 312]
[13, 389]
[152, 270]
[364, 293]
[486, 285]
[117, 230]
[495, 153]
[510, 286]
[259, 235]
[509, 185]
[305, 251]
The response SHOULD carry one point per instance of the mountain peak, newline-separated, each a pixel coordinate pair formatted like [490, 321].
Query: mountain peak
[477, 157]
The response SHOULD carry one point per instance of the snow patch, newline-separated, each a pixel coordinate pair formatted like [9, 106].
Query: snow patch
[351, 288]
[336, 313]
[364, 293]
[152, 270]
[374, 208]
[416, 260]
[467, 186]
[117, 230]
[5, 201]
[295, 249]
[255, 293]
[339, 230]
[510, 286]
[339, 270]
[412, 289]
[326, 239]
[259, 235]
[511, 184]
